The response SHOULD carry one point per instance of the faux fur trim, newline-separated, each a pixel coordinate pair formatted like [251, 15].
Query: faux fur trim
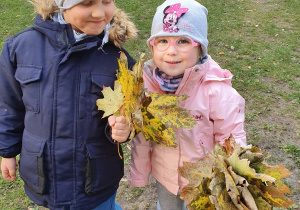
[121, 29]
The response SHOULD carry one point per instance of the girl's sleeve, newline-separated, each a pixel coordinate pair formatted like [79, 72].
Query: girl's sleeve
[227, 110]
[12, 109]
[140, 164]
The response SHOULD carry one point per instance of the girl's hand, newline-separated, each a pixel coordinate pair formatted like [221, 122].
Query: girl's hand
[120, 129]
[8, 168]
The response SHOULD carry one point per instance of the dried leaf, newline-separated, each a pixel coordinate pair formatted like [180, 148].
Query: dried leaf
[199, 197]
[219, 150]
[278, 171]
[240, 184]
[230, 146]
[224, 201]
[189, 194]
[247, 197]
[275, 197]
[196, 172]
[254, 158]
[257, 195]
[242, 168]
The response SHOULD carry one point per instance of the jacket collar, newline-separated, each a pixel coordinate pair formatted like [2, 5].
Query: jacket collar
[59, 34]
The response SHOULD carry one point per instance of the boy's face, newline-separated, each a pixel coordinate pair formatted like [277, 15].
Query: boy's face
[90, 16]
[174, 62]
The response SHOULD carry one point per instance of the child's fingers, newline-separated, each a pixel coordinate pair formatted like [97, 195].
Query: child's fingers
[122, 126]
[120, 129]
[9, 168]
[12, 174]
[4, 173]
[121, 132]
[121, 119]
[9, 174]
[112, 120]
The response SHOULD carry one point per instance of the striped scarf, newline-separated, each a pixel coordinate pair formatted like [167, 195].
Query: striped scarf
[167, 83]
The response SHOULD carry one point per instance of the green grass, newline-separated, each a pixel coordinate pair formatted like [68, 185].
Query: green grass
[293, 151]
[15, 15]
[260, 45]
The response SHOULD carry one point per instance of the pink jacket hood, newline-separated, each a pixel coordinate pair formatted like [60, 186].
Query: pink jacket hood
[218, 110]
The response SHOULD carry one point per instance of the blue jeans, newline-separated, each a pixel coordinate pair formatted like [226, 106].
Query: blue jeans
[109, 204]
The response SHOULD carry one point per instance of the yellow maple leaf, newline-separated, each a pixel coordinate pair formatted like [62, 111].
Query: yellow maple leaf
[165, 108]
[112, 97]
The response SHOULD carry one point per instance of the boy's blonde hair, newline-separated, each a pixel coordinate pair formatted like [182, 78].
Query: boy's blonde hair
[46, 8]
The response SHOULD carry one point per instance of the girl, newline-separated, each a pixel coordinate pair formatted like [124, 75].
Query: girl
[51, 75]
[181, 66]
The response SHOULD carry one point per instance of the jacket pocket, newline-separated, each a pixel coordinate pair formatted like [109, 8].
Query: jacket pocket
[98, 81]
[104, 168]
[31, 162]
[28, 77]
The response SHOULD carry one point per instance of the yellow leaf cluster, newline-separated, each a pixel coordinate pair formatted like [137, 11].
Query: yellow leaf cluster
[152, 114]
[239, 178]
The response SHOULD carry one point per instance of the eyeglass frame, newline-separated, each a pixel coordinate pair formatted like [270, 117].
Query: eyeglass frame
[194, 44]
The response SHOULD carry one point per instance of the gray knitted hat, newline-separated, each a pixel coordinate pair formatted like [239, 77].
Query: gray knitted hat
[181, 18]
[67, 4]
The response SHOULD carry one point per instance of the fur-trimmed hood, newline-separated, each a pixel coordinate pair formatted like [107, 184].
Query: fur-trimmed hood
[122, 28]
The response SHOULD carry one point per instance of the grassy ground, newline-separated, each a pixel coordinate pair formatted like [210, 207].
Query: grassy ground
[257, 40]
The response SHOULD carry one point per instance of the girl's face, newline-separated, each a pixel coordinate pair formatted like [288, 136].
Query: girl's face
[90, 16]
[172, 61]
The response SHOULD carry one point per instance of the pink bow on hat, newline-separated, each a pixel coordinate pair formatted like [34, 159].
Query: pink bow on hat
[175, 8]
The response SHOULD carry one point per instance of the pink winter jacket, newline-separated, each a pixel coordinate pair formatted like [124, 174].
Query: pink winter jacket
[219, 112]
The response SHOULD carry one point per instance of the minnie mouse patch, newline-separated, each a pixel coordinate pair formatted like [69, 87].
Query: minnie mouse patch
[172, 15]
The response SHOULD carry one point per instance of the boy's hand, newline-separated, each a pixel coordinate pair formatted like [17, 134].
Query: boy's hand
[120, 129]
[8, 168]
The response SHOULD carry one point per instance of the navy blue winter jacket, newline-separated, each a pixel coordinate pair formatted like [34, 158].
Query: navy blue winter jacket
[48, 90]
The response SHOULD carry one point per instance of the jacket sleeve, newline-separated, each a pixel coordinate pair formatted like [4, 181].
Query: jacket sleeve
[140, 163]
[227, 110]
[12, 109]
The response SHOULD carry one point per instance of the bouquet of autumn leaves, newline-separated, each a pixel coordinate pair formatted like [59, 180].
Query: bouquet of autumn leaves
[232, 178]
[152, 114]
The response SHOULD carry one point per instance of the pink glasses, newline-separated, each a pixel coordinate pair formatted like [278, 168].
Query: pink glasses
[182, 43]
